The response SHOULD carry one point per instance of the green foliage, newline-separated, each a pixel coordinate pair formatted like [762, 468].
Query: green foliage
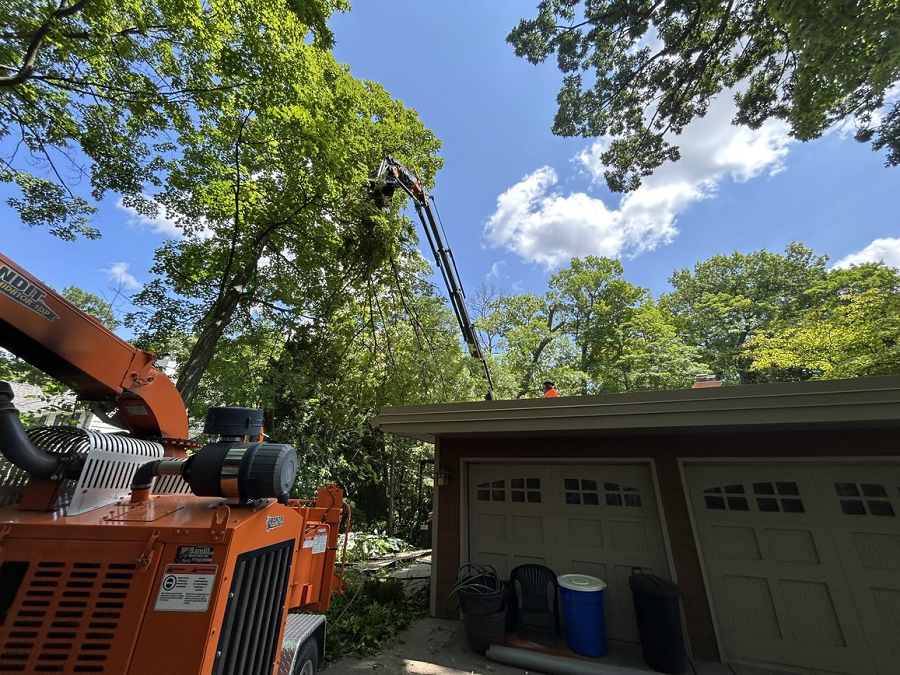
[640, 71]
[852, 330]
[367, 617]
[592, 331]
[91, 304]
[725, 301]
[101, 89]
[362, 546]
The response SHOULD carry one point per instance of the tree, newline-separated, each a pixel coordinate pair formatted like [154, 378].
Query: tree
[93, 305]
[639, 71]
[651, 355]
[725, 301]
[851, 329]
[101, 90]
[526, 328]
[595, 302]
[271, 191]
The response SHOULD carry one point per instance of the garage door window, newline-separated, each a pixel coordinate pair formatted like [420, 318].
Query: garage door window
[860, 499]
[526, 490]
[581, 491]
[493, 491]
[778, 496]
[621, 495]
[770, 497]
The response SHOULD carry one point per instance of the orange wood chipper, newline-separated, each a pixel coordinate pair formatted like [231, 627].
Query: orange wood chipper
[140, 552]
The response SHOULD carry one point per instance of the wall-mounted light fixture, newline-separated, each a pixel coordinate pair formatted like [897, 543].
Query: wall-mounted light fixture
[442, 477]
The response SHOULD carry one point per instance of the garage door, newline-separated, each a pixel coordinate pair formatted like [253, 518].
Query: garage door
[600, 520]
[803, 562]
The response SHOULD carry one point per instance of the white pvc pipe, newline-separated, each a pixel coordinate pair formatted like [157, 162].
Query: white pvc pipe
[558, 665]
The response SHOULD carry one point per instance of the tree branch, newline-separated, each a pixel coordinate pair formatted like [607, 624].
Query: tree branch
[27, 69]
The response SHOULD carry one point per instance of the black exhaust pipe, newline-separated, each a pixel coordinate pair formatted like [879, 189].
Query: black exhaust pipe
[18, 448]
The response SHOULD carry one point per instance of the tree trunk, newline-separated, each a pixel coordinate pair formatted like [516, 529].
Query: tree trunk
[214, 325]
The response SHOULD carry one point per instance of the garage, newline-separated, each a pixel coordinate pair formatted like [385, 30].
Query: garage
[802, 560]
[774, 507]
[600, 519]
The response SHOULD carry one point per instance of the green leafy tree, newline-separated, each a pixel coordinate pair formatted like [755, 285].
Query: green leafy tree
[639, 71]
[851, 330]
[271, 191]
[595, 302]
[101, 90]
[725, 301]
[651, 355]
[91, 304]
[527, 329]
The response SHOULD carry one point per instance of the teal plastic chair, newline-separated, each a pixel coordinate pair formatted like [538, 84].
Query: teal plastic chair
[533, 581]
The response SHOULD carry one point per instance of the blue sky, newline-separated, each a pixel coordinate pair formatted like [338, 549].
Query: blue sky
[517, 202]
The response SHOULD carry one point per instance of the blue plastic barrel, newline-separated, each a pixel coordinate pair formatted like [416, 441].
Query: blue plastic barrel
[582, 598]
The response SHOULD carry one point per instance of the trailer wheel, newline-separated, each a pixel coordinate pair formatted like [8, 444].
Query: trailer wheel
[308, 658]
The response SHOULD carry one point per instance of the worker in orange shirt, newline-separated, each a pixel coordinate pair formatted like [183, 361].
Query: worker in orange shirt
[550, 389]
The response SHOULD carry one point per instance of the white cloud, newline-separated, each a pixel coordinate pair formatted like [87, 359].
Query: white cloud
[495, 269]
[541, 225]
[118, 273]
[157, 225]
[885, 250]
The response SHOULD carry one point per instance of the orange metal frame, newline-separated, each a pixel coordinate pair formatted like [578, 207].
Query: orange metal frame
[52, 334]
[94, 580]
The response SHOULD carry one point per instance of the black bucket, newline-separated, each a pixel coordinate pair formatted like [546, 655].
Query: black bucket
[484, 630]
[480, 601]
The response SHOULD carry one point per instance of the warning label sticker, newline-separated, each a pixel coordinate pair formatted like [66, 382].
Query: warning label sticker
[317, 541]
[186, 588]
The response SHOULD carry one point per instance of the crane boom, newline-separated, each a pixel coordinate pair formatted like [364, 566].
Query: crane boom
[394, 173]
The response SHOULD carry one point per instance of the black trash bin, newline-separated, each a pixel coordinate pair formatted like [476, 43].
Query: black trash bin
[658, 615]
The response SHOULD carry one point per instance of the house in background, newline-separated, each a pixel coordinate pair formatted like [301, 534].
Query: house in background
[775, 508]
[62, 409]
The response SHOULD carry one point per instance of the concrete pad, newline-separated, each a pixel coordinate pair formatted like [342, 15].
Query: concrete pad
[439, 647]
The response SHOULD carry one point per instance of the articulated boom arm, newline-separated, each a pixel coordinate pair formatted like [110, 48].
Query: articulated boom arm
[52, 334]
[396, 174]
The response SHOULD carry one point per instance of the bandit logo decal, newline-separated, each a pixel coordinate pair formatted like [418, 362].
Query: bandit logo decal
[274, 521]
[24, 292]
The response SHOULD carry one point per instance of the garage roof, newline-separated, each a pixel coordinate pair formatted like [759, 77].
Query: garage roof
[864, 401]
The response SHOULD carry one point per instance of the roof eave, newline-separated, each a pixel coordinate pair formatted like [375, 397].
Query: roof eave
[859, 401]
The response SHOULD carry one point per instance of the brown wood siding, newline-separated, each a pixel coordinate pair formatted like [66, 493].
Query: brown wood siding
[665, 450]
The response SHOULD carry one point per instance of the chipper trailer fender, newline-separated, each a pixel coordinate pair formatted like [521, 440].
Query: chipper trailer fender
[142, 552]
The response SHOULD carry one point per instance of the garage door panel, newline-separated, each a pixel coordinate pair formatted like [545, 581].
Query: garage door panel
[499, 561]
[811, 613]
[528, 529]
[491, 527]
[777, 565]
[630, 536]
[598, 519]
[863, 505]
[788, 622]
[887, 613]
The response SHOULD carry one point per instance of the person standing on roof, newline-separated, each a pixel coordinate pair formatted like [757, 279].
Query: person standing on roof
[550, 389]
